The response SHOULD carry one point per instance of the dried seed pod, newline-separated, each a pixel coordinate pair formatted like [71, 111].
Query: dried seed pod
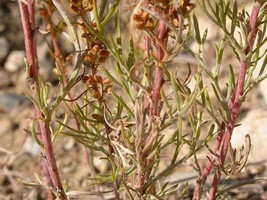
[98, 117]
[150, 24]
[174, 18]
[76, 5]
[187, 7]
[97, 95]
[163, 4]
[143, 20]
[85, 78]
[106, 81]
[97, 54]
[98, 79]
[88, 6]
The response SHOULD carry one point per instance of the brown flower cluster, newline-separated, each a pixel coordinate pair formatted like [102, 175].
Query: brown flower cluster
[143, 20]
[80, 6]
[97, 54]
[161, 3]
[187, 7]
[99, 86]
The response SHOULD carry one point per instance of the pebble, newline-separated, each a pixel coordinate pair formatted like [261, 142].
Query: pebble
[15, 61]
[9, 101]
[255, 125]
[5, 125]
[101, 164]
[256, 169]
[68, 146]
[4, 49]
[5, 80]
[31, 147]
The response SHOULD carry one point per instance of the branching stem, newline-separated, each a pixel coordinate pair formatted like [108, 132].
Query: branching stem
[222, 144]
[45, 134]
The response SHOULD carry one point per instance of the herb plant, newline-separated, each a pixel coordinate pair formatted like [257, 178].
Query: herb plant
[124, 91]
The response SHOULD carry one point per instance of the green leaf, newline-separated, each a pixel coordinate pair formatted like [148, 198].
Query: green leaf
[110, 14]
[34, 135]
[175, 91]
[231, 83]
[131, 58]
[103, 5]
[60, 127]
[64, 15]
[198, 37]
[35, 103]
[234, 18]
[110, 76]
[121, 101]
[203, 40]
[263, 66]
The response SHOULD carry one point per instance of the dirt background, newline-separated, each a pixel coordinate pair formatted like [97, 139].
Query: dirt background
[19, 155]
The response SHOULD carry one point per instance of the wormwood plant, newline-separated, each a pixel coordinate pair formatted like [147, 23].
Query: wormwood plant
[131, 95]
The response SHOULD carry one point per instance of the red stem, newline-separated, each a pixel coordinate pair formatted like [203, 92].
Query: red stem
[29, 40]
[158, 79]
[234, 108]
[48, 181]
[33, 75]
[209, 166]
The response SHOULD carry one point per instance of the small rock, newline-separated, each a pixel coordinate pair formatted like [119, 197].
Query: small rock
[15, 61]
[101, 165]
[256, 170]
[31, 147]
[4, 49]
[242, 195]
[255, 125]
[10, 101]
[5, 125]
[244, 174]
[5, 79]
[69, 144]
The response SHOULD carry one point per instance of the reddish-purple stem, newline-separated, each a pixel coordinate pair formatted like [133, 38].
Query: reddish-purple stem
[158, 79]
[209, 166]
[234, 108]
[48, 181]
[29, 40]
[45, 136]
[142, 176]
[235, 103]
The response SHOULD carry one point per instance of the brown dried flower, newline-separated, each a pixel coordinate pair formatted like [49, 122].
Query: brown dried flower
[143, 20]
[88, 5]
[174, 18]
[97, 54]
[163, 4]
[187, 7]
[76, 5]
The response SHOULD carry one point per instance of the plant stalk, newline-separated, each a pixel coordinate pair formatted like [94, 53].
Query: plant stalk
[27, 18]
[222, 144]
[235, 103]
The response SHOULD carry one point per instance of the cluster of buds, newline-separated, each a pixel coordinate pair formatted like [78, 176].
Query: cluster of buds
[44, 12]
[163, 4]
[78, 6]
[143, 20]
[187, 7]
[98, 85]
[97, 54]
[85, 31]
[174, 18]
